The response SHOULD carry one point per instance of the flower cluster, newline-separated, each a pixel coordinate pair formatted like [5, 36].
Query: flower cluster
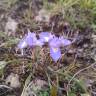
[54, 43]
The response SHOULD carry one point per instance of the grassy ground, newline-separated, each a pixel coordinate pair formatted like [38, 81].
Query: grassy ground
[35, 73]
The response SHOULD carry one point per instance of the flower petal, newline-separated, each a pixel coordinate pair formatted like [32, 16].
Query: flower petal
[45, 36]
[65, 42]
[55, 42]
[55, 53]
[22, 44]
[31, 39]
[39, 42]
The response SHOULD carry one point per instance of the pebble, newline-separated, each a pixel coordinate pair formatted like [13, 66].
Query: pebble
[13, 80]
[11, 26]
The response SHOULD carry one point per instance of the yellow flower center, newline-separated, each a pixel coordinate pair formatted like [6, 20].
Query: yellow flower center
[55, 49]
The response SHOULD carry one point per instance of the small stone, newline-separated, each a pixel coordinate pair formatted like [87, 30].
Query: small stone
[11, 26]
[85, 45]
[13, 81]
[43, 15]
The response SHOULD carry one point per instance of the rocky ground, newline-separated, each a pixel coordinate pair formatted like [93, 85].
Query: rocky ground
[35, 73]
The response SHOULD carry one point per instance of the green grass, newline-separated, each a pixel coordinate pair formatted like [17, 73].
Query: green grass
[8, 3]
[80, 13]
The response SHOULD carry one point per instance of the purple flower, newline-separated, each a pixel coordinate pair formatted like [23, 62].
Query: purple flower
[28, 40]
[22, 44]
[55, 53]
[46, 36]
[39, 42]
[31, 39]
[55, 42]
[64, 42]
